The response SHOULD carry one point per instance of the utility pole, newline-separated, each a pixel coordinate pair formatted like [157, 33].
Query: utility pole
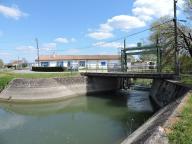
[158, 54]
[37, 44]
[176, 40]
[125, 56]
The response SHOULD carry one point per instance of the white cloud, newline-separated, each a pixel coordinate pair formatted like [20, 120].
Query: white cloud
[73, 40]
[61, 40]
[108, 45]
[48, 46]
[121, 22]
[26, 48]
[149, 9]
[100, 35]
[12, 12]
[125, 22]
[64, 40]
[142, 12]
[5, 54]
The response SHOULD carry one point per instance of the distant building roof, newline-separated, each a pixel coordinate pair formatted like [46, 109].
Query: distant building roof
[78, 57]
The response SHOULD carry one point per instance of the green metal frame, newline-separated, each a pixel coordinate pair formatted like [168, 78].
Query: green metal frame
[148, 49]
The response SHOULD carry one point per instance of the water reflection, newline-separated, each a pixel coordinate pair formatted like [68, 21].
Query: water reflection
[100, 119]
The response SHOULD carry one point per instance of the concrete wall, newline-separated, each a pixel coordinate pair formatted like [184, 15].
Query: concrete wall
[102, 84]
[164, 91]
[30, 90]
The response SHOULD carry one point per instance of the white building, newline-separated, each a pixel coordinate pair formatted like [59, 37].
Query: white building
[80, 61]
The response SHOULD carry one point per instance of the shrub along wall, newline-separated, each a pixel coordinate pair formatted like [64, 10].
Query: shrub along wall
[49, 69]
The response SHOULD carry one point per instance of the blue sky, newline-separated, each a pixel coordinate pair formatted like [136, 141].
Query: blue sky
[74, 26]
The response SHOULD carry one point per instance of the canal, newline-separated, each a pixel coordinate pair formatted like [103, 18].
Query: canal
[99, 119]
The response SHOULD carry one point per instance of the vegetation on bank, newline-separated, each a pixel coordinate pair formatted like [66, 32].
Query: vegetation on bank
[186, 79]
[181, 132]
[6, 77]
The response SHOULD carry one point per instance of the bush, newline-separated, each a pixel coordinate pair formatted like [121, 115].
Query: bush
[49, 69]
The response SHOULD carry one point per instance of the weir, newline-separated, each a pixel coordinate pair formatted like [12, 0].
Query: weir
[164, 88]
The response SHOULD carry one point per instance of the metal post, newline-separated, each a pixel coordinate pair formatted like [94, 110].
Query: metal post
[158, 55]
[125, 57]
[37, 44]
[176, 40]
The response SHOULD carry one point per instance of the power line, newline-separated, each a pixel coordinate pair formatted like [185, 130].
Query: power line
[123, 37]
[120, 38]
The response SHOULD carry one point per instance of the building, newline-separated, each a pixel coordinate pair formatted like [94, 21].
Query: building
[18, 64]
[80, 61]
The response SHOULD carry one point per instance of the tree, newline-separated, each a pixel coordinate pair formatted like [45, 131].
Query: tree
[188, 8]
[163, 29]
[1, 63]
[24, 63]
[148, 57]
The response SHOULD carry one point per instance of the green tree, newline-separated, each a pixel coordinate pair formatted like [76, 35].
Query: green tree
[163, 29]
[186, 64]
[1, 63]
[148, 57]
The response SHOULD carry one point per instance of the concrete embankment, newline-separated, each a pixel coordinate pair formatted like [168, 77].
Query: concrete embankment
[37, 90]
[168, 96]
[154, 130]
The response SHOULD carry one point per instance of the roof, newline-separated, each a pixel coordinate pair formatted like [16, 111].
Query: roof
[16, 62]
[78, 57]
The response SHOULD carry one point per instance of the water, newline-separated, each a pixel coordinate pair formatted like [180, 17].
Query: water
[82, 120]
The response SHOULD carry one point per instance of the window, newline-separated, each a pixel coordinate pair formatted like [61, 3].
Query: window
[69, 64]
[60, 63]
[82, 63]
[45, 64]
[103, 63]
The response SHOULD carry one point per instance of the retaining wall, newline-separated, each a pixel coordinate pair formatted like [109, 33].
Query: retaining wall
[165, 91]
[30, 90]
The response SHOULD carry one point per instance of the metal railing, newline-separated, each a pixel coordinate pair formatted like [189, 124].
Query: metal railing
[141, 68]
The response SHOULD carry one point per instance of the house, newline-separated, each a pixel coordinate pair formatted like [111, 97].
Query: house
[17, 64]
[79, 61]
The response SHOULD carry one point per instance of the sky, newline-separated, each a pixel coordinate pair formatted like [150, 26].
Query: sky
[75, 27]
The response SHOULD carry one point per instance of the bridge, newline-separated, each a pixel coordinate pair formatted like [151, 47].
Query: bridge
[117, 77]
[130, 75]
[153, 71]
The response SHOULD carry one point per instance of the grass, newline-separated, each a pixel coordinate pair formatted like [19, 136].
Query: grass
[144, 82]
[187, 79]
[181, 132]
[6, 77]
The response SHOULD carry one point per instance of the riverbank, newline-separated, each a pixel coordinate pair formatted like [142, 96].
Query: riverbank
[43, 89]
[6, 77]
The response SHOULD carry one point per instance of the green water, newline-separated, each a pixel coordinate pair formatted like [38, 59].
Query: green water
[82, 120]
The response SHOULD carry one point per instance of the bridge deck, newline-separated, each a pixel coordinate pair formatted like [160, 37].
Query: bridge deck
[131, 75]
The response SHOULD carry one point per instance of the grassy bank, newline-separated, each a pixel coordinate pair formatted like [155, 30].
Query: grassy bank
[181, 132]
[187, 79]
[6, 77]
